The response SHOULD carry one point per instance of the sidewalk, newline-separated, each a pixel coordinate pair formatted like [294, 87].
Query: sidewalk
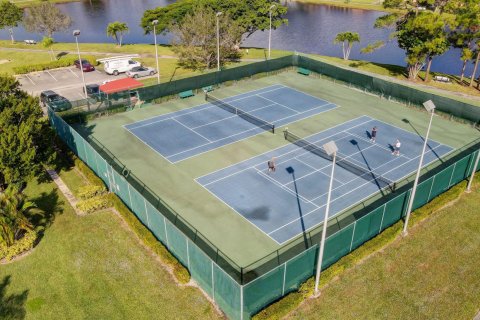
[65, 190]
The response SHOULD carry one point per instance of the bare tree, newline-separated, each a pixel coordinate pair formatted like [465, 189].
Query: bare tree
[46, 19]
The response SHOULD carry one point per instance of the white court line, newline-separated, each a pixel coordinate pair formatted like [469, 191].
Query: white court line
[161, 155]
[73, 73]
[278, 103]
[283, 187]
[378, 145]
[342, 196]
[193, 109]
[51, 75]
[414, 133]
[234, 116]
[30, 79]
[210, 141]
[238, 213]
[281, 155]
[255, 128]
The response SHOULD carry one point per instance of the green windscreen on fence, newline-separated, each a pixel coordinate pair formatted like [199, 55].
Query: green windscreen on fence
[215, 273]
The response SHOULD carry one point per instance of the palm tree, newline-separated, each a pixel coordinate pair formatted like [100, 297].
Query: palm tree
[47, 42]
[347, 39]
[116, 30]
[14, 210]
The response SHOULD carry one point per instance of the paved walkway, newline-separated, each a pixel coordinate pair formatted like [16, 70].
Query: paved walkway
[65, 190]
[477, 317]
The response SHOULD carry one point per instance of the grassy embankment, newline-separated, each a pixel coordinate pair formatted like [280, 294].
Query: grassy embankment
[88, 267]
[431, 274]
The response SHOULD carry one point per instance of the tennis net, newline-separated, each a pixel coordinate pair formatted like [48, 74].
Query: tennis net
[242, 114]
[356, 169]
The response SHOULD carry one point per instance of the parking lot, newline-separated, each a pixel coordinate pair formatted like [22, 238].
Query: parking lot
[65, 81]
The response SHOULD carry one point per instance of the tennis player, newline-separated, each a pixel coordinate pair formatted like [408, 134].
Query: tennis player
[271, 165]
[396, 147]
[373, 135]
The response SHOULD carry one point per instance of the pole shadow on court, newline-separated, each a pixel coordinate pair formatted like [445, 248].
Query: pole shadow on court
[374, 178]
[423, 139]
[291, 171]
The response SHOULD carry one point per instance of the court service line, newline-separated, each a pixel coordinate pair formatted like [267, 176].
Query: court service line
[329, 165]
[192, 130]
[191, 110]
[146, 144]
[254, 128]
[284, 146]
[235, 115]
[238, 213]
[284, 187]
[282, 105]
[342, 196]
[378, 145]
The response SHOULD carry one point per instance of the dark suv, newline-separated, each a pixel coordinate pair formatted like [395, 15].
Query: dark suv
[54, 101]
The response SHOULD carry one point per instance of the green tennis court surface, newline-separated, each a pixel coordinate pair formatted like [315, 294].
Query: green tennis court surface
[229, 231]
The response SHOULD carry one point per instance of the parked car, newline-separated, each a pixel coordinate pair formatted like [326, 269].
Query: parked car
[87, 66]
[137, 72]
[93, 91]
[54, 100]
[119, 65]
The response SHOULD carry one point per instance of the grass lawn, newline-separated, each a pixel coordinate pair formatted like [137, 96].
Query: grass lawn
[354, 4]
[399, 72]
[91, 267]
[431, 274]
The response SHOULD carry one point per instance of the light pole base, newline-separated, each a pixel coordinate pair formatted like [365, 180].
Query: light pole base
[316, 294]
[404, 233]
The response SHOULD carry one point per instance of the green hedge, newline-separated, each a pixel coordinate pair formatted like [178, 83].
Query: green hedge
[62, 62]
[291, 301]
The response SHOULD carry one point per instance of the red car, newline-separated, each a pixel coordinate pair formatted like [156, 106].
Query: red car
[87, 66]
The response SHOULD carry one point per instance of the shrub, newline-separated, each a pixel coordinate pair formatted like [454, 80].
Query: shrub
[20, 246]
[96, 203]
[90, 191]
[63, 62]
[87, 172]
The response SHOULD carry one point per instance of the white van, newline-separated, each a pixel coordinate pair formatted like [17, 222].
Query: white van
[121, 65]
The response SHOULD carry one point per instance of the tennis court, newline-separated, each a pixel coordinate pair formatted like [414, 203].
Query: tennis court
[187, 133]
[291, 200]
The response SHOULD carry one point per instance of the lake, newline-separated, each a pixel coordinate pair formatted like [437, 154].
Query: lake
[311, 29]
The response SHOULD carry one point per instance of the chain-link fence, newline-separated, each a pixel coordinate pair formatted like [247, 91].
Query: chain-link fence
[241, 291]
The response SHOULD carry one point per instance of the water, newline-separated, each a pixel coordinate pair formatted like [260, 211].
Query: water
[311, 29]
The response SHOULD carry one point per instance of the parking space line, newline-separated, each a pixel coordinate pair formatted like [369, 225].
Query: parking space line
[51, 75]
[81, 96]
[30, 79]
[72, 72]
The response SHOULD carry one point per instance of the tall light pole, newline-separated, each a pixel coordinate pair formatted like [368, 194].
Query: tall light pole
[331, 149]
[270, 33]
[155, 22]
[76, 33]
[430, 107]
[473, 172]
[218, 40]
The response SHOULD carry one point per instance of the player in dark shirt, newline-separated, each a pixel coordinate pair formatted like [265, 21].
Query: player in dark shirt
[373, 135]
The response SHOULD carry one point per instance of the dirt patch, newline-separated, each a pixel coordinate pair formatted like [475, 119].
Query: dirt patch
[2, 61]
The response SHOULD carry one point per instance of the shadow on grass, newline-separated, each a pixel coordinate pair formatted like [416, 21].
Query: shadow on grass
[49, 207]
[392, 69]
[11, 306]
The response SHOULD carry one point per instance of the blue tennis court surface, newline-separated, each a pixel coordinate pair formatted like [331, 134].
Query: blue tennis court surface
[291, 200]
[183, 134]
